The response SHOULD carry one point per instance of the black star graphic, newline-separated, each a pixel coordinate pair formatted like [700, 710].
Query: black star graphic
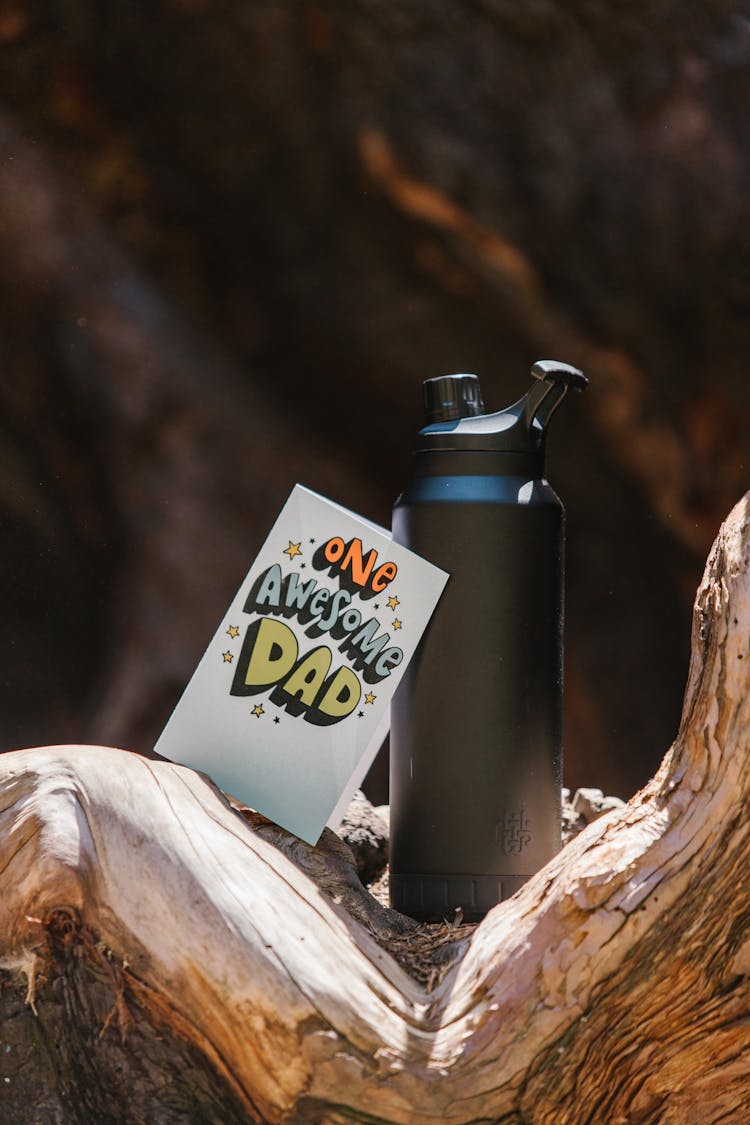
[302, 566]
[312, 540]
[360, 714]
[376, 607]
[276, 720]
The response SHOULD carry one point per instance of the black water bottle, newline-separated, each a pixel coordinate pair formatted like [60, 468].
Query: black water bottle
[476, 754]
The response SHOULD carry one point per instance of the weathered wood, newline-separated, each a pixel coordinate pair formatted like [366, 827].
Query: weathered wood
[613, 988]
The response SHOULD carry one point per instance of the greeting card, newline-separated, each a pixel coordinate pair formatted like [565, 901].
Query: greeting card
[291, 700]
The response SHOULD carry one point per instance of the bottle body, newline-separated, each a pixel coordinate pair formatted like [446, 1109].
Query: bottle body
[476, 721]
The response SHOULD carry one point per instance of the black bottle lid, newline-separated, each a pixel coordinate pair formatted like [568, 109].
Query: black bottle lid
[454, 419]
[449, 397]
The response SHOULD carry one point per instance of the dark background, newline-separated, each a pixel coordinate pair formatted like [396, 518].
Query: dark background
[234, 238]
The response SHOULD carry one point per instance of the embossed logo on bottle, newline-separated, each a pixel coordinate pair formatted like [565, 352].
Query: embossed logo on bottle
[513, 831]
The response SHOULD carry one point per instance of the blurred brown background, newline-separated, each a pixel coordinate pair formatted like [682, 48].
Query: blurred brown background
[235, 235]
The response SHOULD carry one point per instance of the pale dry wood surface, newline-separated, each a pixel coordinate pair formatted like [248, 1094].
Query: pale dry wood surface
[613, 988]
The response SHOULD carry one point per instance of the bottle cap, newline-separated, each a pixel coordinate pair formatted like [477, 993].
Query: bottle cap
[449, 397]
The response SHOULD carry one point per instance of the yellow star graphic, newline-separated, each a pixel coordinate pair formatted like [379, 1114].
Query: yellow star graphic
[228, 658]
[233, 631]
[393, 602]
[293, 549]
[396, 623]
[258, 710]
[370, 697]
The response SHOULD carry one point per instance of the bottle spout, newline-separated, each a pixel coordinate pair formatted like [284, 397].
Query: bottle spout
[554, 380]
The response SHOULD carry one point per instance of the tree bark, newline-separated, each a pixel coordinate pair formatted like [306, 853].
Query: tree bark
[157, 945]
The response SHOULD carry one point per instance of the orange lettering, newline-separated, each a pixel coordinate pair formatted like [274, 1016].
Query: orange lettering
[334, 549]
[354, 566]
[353, 560]
[383, 575]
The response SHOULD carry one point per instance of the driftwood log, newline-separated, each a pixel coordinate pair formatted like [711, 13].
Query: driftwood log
[167, 959]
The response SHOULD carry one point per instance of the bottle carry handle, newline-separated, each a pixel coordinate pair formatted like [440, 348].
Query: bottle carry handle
[555, 379]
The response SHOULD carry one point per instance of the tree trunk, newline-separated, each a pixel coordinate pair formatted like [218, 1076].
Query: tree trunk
[165, 960]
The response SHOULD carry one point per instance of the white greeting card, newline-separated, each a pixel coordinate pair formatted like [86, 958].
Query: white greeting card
[291, 700]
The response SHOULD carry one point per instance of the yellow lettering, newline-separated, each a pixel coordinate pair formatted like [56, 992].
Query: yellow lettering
[307, 678]
[342, 695]
[273, 655]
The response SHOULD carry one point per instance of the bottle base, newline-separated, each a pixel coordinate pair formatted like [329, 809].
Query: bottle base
[436, 898]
